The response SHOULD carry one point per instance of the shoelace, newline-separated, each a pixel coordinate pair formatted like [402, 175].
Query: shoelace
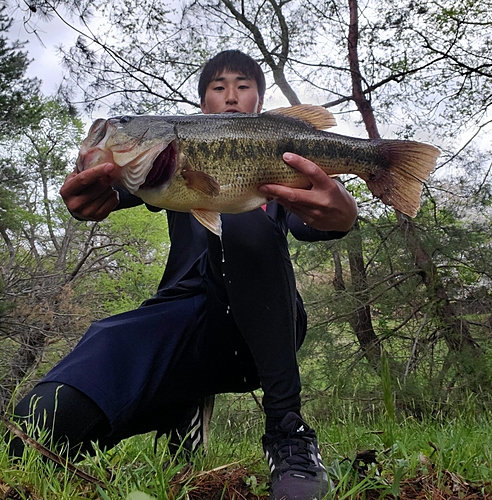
[294, 450]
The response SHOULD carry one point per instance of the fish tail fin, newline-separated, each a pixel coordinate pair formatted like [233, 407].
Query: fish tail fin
[400, 184]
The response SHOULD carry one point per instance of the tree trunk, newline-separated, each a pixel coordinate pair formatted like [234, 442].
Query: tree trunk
[361, 321]
[455, 330]
[338, 281]
[26, 358]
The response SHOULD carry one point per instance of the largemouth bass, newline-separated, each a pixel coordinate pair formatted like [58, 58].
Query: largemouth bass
[212, 164]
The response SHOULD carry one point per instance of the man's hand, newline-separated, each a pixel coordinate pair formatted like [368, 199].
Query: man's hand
[88, 194]
[325, 205]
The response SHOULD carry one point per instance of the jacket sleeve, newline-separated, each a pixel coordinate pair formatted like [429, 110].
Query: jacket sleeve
[128, 200]
[303, 232]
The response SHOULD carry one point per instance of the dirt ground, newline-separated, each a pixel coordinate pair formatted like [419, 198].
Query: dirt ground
[230, 484]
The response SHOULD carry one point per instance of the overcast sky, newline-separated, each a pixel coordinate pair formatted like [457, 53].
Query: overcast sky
[46, 62]
[44, 39]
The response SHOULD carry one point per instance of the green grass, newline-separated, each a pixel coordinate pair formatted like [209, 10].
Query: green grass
[459, 448]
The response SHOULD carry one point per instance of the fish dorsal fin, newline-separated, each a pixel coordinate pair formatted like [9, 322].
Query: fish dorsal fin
[211, 220]
[317, 116]
[201, 182]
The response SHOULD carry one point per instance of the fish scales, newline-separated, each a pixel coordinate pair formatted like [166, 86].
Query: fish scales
[242, 143]
[208, 164]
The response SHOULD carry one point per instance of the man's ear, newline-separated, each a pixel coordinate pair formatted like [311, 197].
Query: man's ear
[203, 107]
[260, 105]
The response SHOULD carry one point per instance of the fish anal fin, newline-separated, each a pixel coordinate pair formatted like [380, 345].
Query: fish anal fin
[317, 116]
[201, 182]
[400, 184]
[211, 220]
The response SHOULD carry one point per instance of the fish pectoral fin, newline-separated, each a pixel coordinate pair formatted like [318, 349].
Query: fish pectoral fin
[201, 182]
[211, 220]
[317, 116]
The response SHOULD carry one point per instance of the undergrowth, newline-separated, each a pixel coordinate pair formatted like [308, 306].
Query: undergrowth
[374, 455]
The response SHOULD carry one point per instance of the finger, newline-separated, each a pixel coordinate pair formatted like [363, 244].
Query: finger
[71, 175]
[302, 209]
[312, 171]
[93, 196]
[95, 175]
[107, 206]
[284, 193]
[89, 208]
[75, 183]
[305, 213]
[315, 197]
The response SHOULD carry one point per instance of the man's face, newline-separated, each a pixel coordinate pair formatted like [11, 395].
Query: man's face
[232, 93]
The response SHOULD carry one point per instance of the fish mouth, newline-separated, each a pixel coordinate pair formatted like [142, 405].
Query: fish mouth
[162, 169]
[92, 151]
[98, 132]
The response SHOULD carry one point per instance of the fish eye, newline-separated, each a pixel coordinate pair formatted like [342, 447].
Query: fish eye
[125, 119]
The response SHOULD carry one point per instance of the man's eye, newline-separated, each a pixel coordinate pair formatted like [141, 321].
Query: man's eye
[219, 88]
[244, 87]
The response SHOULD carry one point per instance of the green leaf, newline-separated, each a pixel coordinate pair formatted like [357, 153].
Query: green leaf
[139, 495]
[102, 493]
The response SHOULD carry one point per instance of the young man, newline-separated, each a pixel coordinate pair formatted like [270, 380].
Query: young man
[226, 316]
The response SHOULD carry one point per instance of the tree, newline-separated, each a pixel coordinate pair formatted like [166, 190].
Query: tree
[49, 259]
[394, 62]
[19, 95]
[36, 249]
[19, 106]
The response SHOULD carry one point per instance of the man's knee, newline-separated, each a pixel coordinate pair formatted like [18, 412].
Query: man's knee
[56, 414]
[34, 414]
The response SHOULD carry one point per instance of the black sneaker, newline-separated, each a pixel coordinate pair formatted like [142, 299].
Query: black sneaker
[191, 434]
[297, 472]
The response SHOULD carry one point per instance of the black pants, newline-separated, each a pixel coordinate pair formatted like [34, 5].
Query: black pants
[134, 372]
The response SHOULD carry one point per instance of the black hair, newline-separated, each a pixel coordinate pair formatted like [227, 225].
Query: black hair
[235, 61]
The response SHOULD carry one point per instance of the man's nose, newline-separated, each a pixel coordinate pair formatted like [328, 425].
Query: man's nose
[231, 96]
